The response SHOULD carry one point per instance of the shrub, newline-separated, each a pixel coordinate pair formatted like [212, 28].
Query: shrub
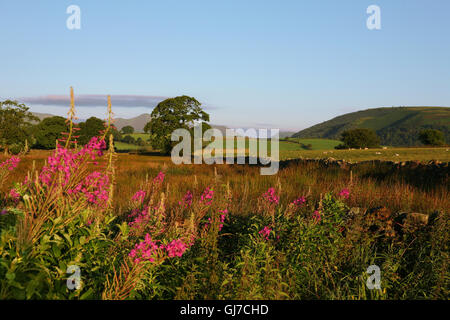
[432, 137]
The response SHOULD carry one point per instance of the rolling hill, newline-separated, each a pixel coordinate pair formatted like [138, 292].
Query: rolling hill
[138, 123]
[396, 126]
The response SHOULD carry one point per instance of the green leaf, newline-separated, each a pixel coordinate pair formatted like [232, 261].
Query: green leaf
[56, 251]
[10, 276]
[87, 294]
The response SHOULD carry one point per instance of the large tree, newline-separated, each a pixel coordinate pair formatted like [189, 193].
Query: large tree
[15, 124]
[92, 127]
[359, 138]
[174, 113]
[127, 130]
[48, 130]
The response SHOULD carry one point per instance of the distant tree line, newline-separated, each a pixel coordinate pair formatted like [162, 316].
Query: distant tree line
[409, 136]
[367, 138]
[20, 129]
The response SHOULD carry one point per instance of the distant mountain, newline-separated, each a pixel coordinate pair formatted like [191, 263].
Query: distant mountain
[138, 123]
[286, 134]
[222, 129]
[396, 126]
[42, 116]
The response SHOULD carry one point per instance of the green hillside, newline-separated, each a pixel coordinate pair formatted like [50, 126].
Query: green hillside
[396, 126]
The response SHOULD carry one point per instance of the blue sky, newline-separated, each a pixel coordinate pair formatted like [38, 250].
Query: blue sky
[280, 64]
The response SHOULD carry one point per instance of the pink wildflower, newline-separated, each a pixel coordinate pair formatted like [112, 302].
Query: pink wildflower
[187, 200]
[265, 232]
[345, 193]
[222, 218]
[270, 196]
[207, 196]
[299, 201]
[14, 195]
[10, 163]
[68, 161]
[159, 178]
[95, 187]
[148, 217]
[176, 248]
[139, 196]
[146, 250]
[317, 216]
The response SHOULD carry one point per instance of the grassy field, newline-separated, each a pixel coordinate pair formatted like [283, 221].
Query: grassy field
[389, 154]
[293, 148]
[143, 136]
[122, 146]
[316, 144]
[292, 144]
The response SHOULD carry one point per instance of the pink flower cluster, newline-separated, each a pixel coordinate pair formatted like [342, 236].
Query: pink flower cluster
[148, 217]
[13, 194]
[223, 215]
[187, 200]
[141, 218]
[265, 232]
[270, 196]
[317, 216]
[176, 248]
[159, 178]
[299, 201]
[207, 196]
[345, 193]
[148, 249]
[145, 250]
[95, 187]
[139, 196]
[67, 161]
[94, 147]
[10, 163]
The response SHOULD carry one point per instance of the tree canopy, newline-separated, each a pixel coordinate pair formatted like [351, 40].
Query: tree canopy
[174, 113]
[359, 138]
[127, 130]
[48, 130]
[432, 137]
[15, 124]
[92, 127]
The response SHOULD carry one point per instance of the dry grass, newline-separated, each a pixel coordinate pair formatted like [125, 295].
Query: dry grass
[367, 189]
